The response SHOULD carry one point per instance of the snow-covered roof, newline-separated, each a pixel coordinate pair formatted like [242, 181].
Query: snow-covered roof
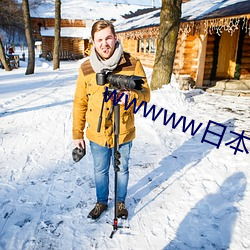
[85, 10]
[79, 32]
[191, 11]
[145, 20]
[205, 9]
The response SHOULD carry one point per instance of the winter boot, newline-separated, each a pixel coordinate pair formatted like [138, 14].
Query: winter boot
[97, 210]
[122, 211]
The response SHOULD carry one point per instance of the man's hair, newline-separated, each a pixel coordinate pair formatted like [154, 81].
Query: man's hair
[101, 24]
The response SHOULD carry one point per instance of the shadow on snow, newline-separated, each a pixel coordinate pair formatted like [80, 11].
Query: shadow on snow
[210, 223]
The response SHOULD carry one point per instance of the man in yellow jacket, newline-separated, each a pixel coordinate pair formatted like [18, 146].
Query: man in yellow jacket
[107, 54]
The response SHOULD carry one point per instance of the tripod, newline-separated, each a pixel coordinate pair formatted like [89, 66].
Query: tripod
[117, 155]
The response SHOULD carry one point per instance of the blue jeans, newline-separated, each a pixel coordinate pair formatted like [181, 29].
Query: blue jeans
[102, 157]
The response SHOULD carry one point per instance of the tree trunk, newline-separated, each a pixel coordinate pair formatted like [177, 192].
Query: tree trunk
[56, 59]
[28, 33]
[3, 57]
[168, 34]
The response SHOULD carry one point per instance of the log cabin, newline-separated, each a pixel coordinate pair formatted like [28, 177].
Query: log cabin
[74, 37]
[77, 19]
[213, 41]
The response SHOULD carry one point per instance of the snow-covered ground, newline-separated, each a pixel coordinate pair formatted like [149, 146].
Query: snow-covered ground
[183, 194]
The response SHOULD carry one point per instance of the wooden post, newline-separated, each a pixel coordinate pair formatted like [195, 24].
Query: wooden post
[201, 60]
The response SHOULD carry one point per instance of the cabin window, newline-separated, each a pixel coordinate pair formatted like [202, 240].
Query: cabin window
[152, 45]
[146, 45]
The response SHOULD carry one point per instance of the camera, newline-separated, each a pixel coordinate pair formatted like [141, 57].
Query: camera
[119, 81]
[78, 153]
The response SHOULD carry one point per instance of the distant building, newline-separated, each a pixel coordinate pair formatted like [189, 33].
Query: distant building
[77, 19]
[74, 36]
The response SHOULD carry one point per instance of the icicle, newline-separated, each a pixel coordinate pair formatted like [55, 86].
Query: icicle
[217, 25]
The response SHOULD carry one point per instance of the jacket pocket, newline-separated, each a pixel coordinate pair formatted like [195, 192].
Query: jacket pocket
[126, 122]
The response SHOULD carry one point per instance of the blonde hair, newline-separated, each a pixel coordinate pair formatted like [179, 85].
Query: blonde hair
[101, 24]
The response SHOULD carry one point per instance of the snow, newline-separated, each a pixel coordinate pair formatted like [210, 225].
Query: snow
[84, 33]
[145, 20]
[155, 3]
[182, 194]
[192, 10]
[86, 10]
[197, 9]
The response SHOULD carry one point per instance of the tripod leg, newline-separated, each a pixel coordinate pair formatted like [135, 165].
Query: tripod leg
[100, 117]
[116, 162]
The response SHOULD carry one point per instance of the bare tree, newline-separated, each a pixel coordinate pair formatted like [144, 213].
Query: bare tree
[56, 59]
[11, 24]
[36, 3]
[11, 16]
[3, 57]
[28, 33]
[168, 34]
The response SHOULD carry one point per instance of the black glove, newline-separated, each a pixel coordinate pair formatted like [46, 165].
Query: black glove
[78, 153]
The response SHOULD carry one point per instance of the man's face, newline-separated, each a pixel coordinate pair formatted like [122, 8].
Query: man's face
[104, 42]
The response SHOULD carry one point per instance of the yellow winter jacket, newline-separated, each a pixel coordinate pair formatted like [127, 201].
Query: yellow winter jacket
[88, 101]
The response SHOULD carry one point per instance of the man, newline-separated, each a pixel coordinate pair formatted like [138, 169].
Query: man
[107, 54]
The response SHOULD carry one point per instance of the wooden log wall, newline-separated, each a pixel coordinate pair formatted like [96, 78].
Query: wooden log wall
[50, 22]
[131, 46]
[73, 45]
[146, 59]
[185, 59]
[209, 58]
[245, 60]
[66, 44]
[178, 61]
[186, 55]
[79, 46]
[47, 45]
[190, 56]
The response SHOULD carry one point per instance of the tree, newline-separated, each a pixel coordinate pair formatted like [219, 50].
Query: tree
[10, 24]
[29, 39]
[11, 19]
[56, 59]
[3, 57]
[168, 34]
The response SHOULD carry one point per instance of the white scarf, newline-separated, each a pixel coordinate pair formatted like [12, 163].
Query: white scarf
[98, 64]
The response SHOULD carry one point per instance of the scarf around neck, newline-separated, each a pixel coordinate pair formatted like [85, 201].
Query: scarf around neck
[98, 64]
